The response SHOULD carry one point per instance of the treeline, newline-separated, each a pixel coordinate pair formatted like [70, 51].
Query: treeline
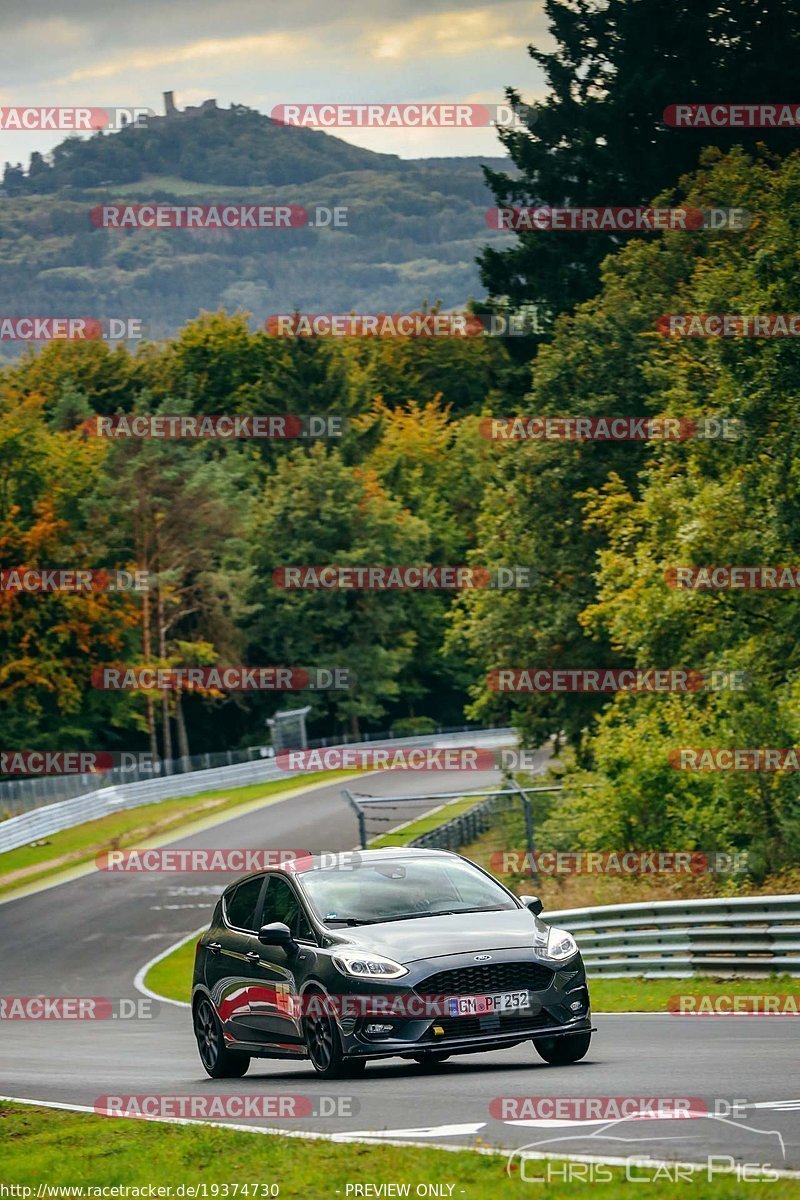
[211, 520]
[414, 481]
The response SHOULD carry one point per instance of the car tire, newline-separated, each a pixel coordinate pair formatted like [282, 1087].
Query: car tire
[324, 1048]
[218, 1061]
[561, 1051]
[429, 1062]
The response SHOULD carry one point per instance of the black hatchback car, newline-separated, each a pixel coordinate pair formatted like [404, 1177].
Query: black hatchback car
[413, 953]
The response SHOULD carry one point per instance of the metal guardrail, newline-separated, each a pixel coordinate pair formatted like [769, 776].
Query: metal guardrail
[19, 795]
[467, 826]
[52, 818]
[749, 936]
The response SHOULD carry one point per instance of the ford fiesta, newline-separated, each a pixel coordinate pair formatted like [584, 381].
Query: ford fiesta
[402, 952]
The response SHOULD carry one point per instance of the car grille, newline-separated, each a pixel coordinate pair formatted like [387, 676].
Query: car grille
[476, 1026]
[494, 977]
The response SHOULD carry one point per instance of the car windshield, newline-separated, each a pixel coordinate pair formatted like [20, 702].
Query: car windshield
[388, 890]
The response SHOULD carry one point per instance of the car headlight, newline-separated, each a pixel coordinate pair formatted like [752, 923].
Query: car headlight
[363, 965]
[561, 945]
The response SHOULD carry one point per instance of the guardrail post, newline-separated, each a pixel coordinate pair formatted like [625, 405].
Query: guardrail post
[528, 813]
[359, 811]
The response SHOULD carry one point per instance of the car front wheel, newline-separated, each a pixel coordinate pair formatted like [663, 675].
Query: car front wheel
[324, 1048]
[560, 1051]
[218, 1061]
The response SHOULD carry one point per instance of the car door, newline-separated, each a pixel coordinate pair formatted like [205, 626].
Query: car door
[229, 970]
[278, 973]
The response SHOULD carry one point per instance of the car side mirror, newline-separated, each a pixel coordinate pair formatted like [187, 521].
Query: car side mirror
[533, 903]
[276, 934]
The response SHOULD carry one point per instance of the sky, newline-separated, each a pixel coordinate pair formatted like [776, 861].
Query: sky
[263, 53]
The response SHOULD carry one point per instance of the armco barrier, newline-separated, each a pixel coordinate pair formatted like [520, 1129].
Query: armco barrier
[748, 936]
[20, 795]
[468, 826]
[51, 818]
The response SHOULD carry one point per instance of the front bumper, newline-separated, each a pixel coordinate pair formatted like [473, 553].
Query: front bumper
[559, 1009]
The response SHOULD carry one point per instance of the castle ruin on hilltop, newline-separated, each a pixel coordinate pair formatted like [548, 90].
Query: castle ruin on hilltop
[172, 112]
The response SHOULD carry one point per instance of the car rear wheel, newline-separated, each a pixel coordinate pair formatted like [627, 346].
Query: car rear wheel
[429, 1062]
[560, 1051]
[219, 1062]
[324, 1048]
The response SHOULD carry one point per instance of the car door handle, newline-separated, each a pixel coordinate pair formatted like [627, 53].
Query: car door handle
[253, 957]
[214, 947]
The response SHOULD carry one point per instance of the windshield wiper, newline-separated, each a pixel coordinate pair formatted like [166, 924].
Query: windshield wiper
[438, 912]
[477, 908]
[344, 921]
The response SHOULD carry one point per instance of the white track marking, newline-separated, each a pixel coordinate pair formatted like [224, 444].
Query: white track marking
[378, 1137]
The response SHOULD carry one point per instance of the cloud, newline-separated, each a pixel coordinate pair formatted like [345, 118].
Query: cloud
[449, 33]
[270, 45]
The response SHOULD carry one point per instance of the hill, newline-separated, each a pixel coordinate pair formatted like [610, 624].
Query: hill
[413, 227]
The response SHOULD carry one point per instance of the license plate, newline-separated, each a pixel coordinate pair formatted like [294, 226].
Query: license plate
[495, 1002]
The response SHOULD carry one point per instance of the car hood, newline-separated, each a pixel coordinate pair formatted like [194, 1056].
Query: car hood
[439, 937]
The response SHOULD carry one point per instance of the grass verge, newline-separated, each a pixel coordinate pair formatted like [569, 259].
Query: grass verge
[172, 977]
[431, 820]
[133, 826]
[652, 995]
[61, 1149]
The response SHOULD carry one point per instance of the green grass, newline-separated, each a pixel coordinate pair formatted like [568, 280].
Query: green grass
[652, 995]
[61, 1149]
[82, 843]
[431, 820]
[172, 977]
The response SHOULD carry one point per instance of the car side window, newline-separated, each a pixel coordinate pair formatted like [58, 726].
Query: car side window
[240, 904]
[281, 904]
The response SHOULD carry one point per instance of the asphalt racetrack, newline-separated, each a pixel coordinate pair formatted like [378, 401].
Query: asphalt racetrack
[92, 935]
